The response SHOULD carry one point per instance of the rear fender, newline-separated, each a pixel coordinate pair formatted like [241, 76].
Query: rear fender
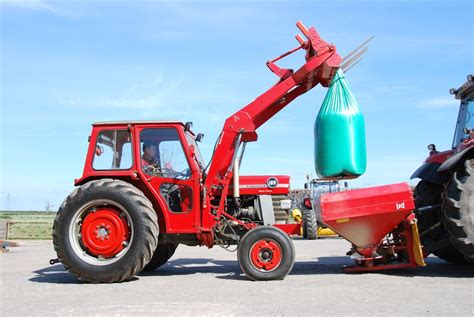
[456, 159]
[429, 172]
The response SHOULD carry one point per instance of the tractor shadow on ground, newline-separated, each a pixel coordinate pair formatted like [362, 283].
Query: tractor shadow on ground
[230, 270]
[56, 274]
[435, 267]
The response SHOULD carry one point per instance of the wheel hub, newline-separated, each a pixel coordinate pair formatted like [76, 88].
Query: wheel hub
[105, 232]
[265, 255]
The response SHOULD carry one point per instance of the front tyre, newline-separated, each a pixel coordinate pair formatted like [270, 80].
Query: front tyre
[266, 253]
[105, 231]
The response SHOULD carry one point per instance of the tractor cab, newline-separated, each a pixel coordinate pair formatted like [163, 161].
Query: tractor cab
[464, 131]
[463, 134]
[165, 149]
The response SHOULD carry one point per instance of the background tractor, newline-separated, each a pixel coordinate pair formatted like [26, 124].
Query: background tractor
[312, 224]
[445, 194]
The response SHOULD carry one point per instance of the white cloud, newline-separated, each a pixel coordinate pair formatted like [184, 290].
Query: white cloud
[39, 5]
[438, 102]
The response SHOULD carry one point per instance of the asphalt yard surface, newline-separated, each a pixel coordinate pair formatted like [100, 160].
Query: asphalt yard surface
[198, 281]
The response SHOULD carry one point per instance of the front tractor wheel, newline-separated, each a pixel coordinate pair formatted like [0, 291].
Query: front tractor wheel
[458, 207]
[105, 231]
[266, 253]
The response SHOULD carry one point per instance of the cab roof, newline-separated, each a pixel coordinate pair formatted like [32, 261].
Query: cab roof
[137, 122]
[467, 88]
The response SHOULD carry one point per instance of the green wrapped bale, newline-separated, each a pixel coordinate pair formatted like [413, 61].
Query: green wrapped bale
[339, 133]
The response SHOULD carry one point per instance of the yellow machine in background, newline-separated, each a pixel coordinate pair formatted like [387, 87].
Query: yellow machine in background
[320, 231]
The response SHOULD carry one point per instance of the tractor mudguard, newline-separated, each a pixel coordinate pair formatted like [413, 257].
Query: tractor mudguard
[459, 157]
[429, 172]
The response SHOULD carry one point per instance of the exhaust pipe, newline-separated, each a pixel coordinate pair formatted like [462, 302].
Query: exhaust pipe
[236, 180]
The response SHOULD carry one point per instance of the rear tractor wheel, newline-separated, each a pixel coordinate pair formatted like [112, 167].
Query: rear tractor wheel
[458, 207]
[430, 223]
[105, 231]
[162, 254]
[266, 253]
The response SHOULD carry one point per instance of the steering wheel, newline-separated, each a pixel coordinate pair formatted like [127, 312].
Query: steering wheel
[174, 174]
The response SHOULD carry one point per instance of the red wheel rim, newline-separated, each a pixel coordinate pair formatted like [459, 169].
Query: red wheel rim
[265, 255]
[105, 232]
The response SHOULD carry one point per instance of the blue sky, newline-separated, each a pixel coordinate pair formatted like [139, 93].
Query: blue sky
[65, 65]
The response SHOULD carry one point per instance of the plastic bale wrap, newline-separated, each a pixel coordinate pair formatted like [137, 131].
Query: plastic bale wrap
[339, 133]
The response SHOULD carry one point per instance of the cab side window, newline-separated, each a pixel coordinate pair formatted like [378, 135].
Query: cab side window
[113, 150]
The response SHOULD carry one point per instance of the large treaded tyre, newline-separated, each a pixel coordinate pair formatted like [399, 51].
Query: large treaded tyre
[310, 224]
[266, 253]
[426, 194]
[458, 207]
[128, 209]
[162, 254]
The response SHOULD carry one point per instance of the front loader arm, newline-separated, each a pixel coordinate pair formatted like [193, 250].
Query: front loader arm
[321, 64]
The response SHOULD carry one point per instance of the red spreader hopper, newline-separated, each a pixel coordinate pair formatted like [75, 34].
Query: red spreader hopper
[380, 224]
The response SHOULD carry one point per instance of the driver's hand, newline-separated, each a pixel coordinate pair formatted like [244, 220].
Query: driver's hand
[153, 169]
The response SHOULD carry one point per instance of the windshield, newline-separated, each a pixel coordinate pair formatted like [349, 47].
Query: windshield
[325, 187]
[465, 121]
[192, 141]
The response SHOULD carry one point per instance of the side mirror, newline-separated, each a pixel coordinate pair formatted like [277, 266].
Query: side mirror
[199, 137]
[432, 147]
[306, 185]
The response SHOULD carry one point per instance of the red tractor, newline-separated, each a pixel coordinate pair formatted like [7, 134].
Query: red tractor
[145, 188]
[445, 194]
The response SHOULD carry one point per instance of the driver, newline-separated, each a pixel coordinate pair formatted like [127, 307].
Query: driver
[149, 161]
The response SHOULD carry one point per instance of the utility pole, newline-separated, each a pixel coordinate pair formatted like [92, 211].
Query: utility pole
[8, 203]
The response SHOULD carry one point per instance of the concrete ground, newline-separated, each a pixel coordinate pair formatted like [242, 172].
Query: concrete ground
[198, 281]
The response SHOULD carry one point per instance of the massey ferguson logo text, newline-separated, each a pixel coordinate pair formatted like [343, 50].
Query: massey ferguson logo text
[272, 182]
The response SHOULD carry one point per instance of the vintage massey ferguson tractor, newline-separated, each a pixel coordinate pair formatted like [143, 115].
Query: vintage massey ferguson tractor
[445, 193]
[145, 189]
